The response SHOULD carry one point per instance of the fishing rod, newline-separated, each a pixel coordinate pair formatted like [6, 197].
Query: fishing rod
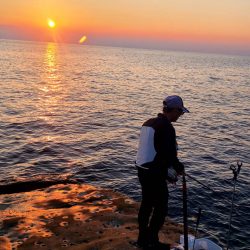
[236, 171]
[204, 185]
[185, 212]
[197, 225]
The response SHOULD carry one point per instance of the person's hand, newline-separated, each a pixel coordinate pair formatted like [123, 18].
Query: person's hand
[179, 168]
[172, 175]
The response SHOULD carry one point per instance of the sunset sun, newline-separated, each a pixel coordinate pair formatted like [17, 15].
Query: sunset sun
[51, 23]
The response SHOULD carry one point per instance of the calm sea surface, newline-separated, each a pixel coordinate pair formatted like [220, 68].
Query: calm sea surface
[76, 111]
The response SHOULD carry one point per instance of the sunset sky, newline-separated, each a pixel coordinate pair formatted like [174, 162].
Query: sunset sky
[209, 25]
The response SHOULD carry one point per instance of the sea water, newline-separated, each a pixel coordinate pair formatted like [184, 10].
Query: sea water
[76, 111]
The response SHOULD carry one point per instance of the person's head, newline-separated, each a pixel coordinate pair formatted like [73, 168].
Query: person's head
[173, 107]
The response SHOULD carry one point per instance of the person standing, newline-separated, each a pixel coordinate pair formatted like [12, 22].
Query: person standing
[157, 164]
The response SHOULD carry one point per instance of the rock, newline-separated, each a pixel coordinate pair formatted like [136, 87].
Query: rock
[73, 216]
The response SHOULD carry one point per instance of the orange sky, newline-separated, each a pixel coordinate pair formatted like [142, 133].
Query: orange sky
[213, 21]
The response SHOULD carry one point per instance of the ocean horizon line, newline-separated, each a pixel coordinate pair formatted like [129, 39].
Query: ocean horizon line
[188, 51]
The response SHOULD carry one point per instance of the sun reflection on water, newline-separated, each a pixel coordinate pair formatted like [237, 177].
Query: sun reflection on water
[51, 63]
[51, 89]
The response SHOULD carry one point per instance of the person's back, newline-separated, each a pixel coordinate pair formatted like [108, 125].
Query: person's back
[156, 155]
[157, 145]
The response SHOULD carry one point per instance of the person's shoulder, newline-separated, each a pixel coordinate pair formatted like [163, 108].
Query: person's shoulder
[157, 122]
[150, 122]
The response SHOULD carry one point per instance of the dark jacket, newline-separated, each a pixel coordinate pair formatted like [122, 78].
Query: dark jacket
[157, 146]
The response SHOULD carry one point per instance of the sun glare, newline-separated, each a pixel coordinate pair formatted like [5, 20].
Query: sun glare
[51, 23]
[83, 39]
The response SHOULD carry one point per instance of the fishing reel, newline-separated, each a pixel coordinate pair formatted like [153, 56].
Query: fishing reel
[236, 169]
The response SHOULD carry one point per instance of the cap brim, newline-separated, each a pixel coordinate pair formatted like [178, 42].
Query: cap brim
[185, 110]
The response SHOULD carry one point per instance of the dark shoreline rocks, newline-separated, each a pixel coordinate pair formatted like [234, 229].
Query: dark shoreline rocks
[27, 186]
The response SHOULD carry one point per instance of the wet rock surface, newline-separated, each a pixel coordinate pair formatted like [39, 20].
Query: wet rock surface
[72, 216]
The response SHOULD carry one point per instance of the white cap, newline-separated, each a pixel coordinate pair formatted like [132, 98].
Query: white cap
[174, 101]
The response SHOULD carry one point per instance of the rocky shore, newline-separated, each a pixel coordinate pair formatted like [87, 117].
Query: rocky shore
[72, 216]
